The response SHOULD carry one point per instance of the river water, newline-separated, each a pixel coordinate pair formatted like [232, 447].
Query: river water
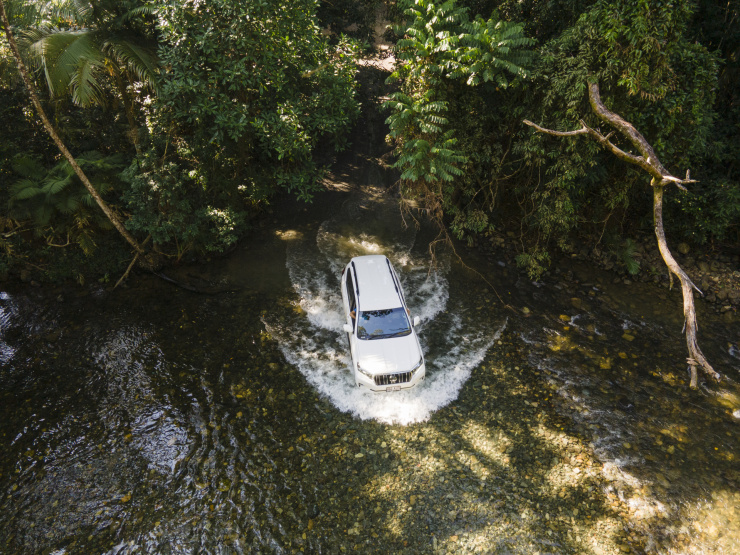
[151, 419]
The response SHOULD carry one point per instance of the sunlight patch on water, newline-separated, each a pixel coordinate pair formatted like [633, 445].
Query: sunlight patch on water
[289, 235]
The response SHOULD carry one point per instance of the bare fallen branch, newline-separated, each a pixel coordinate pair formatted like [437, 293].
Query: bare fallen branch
[582, 131]
[50, 242]
[128, 271]
[660, 177]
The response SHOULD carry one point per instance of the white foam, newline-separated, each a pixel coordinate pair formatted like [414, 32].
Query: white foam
[325, 363]
[453, 344]
[427, 292]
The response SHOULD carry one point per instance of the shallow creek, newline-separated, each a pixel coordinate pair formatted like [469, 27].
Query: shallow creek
[151, 419]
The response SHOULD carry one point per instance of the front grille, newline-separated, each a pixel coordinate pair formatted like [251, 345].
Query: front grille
[393, 379]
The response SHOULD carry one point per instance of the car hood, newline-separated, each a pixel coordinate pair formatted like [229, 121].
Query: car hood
[386, 356]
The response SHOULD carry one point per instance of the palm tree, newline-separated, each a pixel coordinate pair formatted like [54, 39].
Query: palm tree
[112, 216]
[83, 48]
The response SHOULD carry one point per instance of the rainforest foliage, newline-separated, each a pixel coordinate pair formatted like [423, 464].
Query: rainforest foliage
[670, 68]
[190, 116]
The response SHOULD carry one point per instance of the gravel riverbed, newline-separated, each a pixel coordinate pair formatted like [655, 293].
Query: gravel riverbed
[496, 472]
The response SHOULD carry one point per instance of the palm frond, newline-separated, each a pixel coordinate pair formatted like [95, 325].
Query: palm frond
[28, 167]
[25, 189]
[85, 240]
[87, 199]
[146, 9]
[140, 61]
[55, 185]
[73, 13]
[85, 85]
[68, 205]
[60, 53]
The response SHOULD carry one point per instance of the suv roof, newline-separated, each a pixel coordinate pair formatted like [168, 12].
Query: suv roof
[377, 287]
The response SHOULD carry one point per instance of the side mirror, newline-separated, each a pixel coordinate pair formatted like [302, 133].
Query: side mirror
[417, 320]
[347, 328]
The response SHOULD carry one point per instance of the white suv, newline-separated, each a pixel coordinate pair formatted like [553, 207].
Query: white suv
[386, 355]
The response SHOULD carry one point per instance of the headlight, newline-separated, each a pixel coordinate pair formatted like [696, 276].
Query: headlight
[363, 371]
[417, 366]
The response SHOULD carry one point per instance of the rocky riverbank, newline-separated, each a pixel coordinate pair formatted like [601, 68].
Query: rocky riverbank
[717, 276]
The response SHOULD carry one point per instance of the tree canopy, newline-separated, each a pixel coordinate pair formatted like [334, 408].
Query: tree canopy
[212, 107]
[652, 66]
[250, 94]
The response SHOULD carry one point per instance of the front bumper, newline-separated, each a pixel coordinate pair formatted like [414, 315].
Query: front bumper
[391, 382]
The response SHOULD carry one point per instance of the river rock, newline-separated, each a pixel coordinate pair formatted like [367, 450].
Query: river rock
[53, 336]
[662, 480]
[576, 302]
[703, 266]
[683, 248]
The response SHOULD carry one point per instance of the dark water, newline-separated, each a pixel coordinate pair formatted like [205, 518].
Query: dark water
[154, 420]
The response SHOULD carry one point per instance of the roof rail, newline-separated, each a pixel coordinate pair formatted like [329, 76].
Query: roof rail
[393, 278]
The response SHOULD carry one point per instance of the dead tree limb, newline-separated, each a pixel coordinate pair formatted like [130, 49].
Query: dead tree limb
[660, 177]
[128, 271]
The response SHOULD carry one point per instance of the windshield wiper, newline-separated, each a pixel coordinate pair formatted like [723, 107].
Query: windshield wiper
[395, 334]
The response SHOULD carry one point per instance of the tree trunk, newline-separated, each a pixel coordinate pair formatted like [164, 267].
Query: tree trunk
[696, 357]
[57, 140]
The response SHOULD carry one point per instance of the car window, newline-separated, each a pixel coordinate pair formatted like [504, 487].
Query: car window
[350, 292]
[379, 324]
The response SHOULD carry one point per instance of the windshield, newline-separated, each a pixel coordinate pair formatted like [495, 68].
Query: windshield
[378, 324]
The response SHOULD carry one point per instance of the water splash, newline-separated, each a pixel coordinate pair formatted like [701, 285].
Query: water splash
[311, 338]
